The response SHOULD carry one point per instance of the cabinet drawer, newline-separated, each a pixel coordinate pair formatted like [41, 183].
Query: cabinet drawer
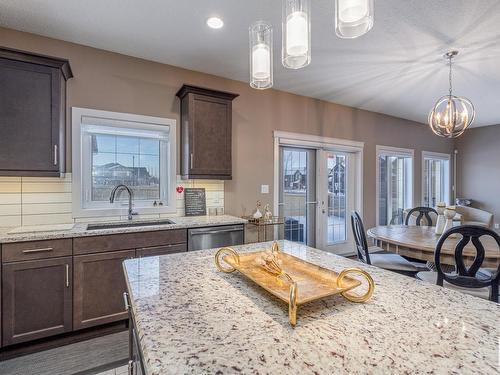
[13, 252]
[125, 241]
[161, 250]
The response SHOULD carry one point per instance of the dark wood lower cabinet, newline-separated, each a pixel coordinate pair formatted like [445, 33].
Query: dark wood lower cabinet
[37, 299]
[99, 286]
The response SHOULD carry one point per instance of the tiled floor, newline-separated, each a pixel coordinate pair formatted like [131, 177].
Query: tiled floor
[83, 358]
[122, 370]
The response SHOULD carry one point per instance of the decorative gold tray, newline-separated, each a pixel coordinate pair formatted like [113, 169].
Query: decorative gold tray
[292, 279]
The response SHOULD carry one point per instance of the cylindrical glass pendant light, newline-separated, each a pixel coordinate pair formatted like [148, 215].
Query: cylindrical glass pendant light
[296, 46]
[261, 55]
[353, 18]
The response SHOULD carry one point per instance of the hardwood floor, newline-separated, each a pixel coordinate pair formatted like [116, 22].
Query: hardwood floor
[103, 355]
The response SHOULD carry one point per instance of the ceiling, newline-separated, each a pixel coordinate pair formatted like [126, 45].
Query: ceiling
[396, 68]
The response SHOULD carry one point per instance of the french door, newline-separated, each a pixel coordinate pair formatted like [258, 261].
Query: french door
[336, 200]
[297, 194]
[316, 196]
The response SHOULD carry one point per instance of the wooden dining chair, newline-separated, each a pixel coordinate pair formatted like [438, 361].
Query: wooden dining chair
[473, 279]
[422, 212]
[388, 261]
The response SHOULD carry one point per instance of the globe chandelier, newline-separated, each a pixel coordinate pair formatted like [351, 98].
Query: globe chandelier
[451, 115]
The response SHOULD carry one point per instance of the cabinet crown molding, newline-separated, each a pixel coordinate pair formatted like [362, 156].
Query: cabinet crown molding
[35, 58]
[188, 89]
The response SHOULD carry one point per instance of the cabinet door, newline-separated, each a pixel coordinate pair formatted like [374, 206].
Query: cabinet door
[99, 284]
[161, 250]
[30, 111]
[210, 136]
[36, 299]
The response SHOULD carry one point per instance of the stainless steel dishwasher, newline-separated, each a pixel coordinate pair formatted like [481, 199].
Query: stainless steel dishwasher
[210, 237]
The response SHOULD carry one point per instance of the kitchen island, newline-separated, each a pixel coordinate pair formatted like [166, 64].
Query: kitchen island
[191, 318]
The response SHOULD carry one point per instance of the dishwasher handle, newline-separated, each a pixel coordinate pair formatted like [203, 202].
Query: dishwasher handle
[203, 231]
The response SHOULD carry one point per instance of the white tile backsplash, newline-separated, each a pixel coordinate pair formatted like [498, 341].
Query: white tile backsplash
[47, 200]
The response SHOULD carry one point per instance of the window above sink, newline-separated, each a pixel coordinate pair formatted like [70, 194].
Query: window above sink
[110, 149]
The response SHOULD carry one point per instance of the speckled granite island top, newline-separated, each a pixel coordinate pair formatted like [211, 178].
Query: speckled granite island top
[80, 229]
[191, 318]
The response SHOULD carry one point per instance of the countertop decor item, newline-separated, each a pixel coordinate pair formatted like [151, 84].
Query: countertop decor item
[451, 115]
[291, 279]
[257, 213]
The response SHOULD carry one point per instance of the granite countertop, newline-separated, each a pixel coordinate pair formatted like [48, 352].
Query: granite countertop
[194, 319]
[80, 229]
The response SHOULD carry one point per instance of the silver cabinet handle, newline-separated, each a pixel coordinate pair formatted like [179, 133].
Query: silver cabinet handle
[55, 155]
[125, 300]
[191, 160]
[44, 249]
[67, 275]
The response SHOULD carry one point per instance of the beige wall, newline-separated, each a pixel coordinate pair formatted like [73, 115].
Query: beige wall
[109, 81]
[478, 168]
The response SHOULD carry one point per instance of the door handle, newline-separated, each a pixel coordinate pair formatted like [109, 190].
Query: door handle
[67, 275]
[125, 300]
[55, 154]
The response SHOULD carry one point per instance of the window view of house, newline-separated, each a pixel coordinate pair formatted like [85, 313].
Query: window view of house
[131, 161]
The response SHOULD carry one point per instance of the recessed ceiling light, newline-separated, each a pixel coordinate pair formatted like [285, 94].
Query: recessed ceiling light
[215, 23]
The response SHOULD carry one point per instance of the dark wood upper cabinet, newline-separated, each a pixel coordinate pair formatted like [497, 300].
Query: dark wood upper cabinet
[206, 122]
[32, 113]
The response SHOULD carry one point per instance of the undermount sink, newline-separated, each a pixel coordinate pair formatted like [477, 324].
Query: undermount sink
[128, 224]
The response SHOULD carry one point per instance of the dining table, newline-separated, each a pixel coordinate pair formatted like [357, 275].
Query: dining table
[419, 242]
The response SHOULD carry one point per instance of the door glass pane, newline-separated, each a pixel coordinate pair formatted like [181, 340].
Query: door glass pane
[395, 188]
[436, 181]
[337, 197]
[297, 192]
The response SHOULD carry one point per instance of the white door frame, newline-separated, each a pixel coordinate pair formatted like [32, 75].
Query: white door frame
[283, 138]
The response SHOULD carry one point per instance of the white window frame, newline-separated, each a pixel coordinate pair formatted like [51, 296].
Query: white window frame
[393, 151]
[133, 122]
[436, 156]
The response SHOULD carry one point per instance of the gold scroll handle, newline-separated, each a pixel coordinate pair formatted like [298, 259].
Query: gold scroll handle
[352, 296]
[219, 256]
